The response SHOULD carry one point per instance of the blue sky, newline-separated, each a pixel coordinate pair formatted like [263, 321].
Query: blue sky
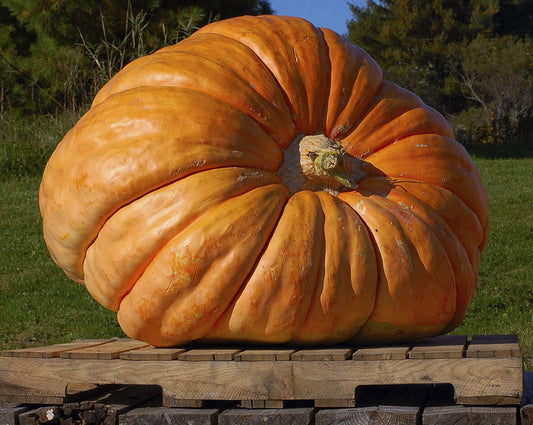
[331, 14]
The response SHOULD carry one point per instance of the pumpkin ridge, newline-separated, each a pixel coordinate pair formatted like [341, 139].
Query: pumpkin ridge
[378, 260]
[192, 282]
[263, 155]
[328, 279]
[393, 290]
[455, 232]
[267, 177]
[288, 103]
[248, 111]
[470, 191]
[237, 295]
[279, 24]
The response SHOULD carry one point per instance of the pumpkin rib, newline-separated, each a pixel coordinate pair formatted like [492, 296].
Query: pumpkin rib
[110, 267]
[449, 167]
[462, 262]
[469, 221]
[178, 282]
[286, 97]
[355, 79]
[284, 45]
[189, 67]
[97, 194]
[406, 307]
[345, 292]
[269, 307]
[394, 114]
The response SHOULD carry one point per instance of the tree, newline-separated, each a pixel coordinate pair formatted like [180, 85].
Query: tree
[497, 75]
[46, 45]
[435, 49]
[410, 40]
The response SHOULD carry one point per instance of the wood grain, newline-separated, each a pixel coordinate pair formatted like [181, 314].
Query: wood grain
[441, 347]
[152, 353]
[494, 346]
[260, 354]
[53, 350]
[485, 381]
[106, 351]
[163, 415]
[376, 415]
[391, 352]
[469, 415]
[9, 414]
[204, 354]
[321, 354]
[296, 416]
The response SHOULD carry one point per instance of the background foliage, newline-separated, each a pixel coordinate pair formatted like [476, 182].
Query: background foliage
[55, 54]
[470, 59]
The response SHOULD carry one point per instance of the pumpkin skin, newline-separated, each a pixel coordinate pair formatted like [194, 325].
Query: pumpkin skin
[169, 198]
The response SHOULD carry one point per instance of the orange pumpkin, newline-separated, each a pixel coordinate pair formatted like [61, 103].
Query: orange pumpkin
[260, 182]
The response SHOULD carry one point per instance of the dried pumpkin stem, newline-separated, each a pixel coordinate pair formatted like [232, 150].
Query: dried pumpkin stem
[332, 163]
[315, 162]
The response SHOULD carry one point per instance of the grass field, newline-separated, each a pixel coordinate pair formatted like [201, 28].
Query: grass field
[41, 306]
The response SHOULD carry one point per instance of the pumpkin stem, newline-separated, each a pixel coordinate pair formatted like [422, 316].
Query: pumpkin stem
[332, 163]
[315, 162]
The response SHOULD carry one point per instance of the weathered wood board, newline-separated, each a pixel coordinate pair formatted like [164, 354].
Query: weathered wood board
[329, 377]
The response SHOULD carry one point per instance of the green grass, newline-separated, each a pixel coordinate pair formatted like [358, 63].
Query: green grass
[41, 306]
[503, 303]
[26, 142]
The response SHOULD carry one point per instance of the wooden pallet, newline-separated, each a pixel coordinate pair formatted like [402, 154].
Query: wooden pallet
[487, 370]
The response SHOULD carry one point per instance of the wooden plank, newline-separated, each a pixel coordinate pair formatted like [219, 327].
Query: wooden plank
[376, 415]
[332, 403]
[226, 354]
[29, 417]
[391, 352]
[206, 354]
[352, 416]
[493, 346]
[526, 414]
[477, 381]
[106, 351]
[260, 354]
[440, 347]
[398, 415]
[152, 353]
[318, 354]
[163, 415]
[53, 350]
[183, 403]
[296, 416]
[262, 404]
[9, 414]
[474, 415]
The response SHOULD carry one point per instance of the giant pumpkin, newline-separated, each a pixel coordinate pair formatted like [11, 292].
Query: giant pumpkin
[261, 182]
